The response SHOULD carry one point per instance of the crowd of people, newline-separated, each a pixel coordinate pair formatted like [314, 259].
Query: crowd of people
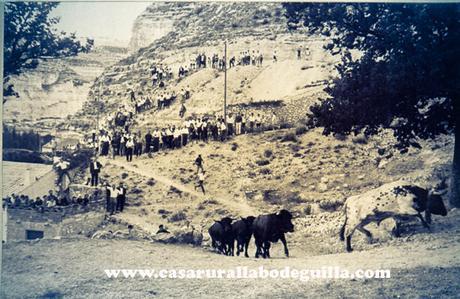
[121, 142]
[115, 197]
[51, 200]
[215, 61]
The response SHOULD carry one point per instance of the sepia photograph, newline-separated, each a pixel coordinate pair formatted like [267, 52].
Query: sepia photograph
[224, 149]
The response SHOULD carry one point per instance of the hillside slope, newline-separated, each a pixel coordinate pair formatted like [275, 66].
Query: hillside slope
[202, 28]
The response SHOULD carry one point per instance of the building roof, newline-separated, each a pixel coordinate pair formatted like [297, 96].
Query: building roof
[18, 176]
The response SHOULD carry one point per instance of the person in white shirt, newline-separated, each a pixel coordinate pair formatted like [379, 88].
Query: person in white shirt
[252, 121]
[223, 131]
[258, 122]
[274, 120]
[177, 138]
[184, 132]
[201, 178]
[230, 124]
[129, 149]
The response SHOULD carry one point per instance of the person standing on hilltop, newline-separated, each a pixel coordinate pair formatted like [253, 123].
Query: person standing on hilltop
[138, 145]
[182, 110]
[230, 124]
[238, 121]
[223, 130]
[299, 52]
[156, 140]
[148, 142]
[199, 163]
[274, 120]
[252, 120]
[258, 122]
[129, 149]
[121, 197]
[95, 169]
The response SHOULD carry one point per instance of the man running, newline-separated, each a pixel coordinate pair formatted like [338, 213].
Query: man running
[199, 164]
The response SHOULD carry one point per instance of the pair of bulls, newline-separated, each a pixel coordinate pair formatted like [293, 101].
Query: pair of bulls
[265, 229]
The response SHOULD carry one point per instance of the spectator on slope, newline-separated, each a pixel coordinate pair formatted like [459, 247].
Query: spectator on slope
[164, 139]
[112, 197]
[187, 92]
[223, 130]
[252, 121]
[199, 163]
[184, 132]
[244, 122]
[95, 168]
[204, 130]
[238, 121]
[156, 140]
[148, 142]
[123, 140]
[132, 96]
[108, 191]
[258, 121]
[201, 178]
[177, 138]
[170, 137]
[162, 230]
[115, 143]
[105, 144]
[138, 145]
[182, 110]
[274, 120]
[121, 197]
[230, 124]
[129, 149]
[299, 52]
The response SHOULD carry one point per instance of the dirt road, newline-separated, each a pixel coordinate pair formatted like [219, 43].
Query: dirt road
[75, 269]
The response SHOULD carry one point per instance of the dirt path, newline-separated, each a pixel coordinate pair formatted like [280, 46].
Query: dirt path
[75, 269]
[235, 205]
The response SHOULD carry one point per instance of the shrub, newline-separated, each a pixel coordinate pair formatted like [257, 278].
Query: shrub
[307, 209]
[234, 146]
[124, 175]
[136, 190]
[210, 201]
[179, 216]
[330, 205]
[300, 130]
[164, 212]
[150, 182]
[262, 162]
[360, 139]
[265, 171]
[268, 153]
[289, 137]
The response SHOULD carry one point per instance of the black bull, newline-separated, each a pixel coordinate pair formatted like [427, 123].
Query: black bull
[271, 228]
[221, 235]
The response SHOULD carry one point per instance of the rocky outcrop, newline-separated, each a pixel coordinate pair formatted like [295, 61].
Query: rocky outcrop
[56, 88]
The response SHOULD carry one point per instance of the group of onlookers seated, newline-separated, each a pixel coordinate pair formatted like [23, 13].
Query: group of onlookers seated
[46, 201]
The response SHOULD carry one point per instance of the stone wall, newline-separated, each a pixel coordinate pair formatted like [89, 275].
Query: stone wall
[55, 223]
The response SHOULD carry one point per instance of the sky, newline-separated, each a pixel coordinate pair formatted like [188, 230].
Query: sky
[109, 23]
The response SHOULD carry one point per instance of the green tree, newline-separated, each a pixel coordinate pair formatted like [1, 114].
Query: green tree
[30, 36]
[399, 68]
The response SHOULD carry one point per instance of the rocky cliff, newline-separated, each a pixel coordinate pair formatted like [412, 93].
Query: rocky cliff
[56, 88]
[202, 28]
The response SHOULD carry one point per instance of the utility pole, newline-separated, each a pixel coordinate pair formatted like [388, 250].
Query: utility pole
[225, 82]
[98, 104]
